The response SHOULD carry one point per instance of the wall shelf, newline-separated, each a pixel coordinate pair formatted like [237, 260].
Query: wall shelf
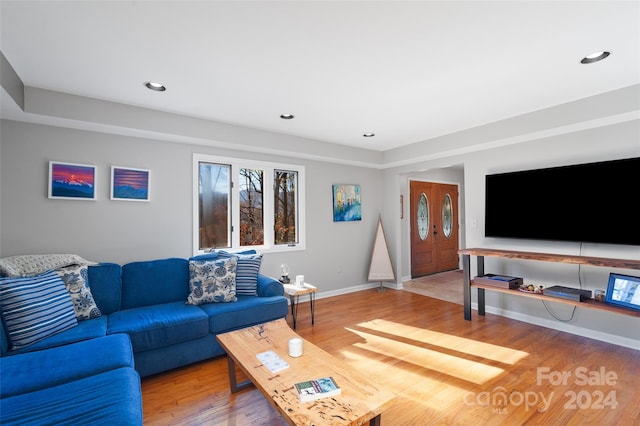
[480, 253]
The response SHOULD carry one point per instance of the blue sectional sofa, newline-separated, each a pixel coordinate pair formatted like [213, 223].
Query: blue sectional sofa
[90, 373]
[88, 382]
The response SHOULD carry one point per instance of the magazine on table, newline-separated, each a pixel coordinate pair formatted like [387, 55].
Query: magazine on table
[272, 361]
[316, 389]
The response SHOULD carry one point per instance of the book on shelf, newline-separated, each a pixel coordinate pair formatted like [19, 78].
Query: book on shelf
[316, 389]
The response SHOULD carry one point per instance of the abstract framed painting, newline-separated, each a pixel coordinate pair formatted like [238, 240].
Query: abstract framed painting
[71, 181]
[129, 184]
[346, 203]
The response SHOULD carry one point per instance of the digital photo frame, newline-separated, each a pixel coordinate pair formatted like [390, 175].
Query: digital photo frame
[623, 291]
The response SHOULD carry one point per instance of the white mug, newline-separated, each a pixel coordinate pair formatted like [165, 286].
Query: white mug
[295, 347]
[300, 280]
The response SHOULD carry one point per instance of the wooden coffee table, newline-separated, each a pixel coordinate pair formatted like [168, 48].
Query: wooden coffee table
[359, 402]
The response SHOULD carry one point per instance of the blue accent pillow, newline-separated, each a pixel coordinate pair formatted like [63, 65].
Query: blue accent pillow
[206, 256]
[35, 308]
[247, 272]
[212, 281]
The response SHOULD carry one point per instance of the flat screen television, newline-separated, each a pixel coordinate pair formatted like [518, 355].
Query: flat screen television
[594, 202]
[623, 290]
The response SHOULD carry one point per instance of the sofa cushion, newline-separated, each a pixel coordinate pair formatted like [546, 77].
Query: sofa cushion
[247, 311]
[212, 281]
[159, 325]
[35, 308]
[106, 286]
[75, 278]
[246, 272]
[32, 371]
[89, 329]
[268, 286]
[113, 398]
[154, 282]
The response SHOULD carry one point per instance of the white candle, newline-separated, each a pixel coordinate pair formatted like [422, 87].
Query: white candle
[295, 347]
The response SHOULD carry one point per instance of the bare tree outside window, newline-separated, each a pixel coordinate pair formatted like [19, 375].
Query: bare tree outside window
[214, 185]
[240, 204]
[251, 207]
[285, 183]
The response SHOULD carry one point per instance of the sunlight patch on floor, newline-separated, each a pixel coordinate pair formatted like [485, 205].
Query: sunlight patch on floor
[447, 341]
[409, 384]
[464, 369]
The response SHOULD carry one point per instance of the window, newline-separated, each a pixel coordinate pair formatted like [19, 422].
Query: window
[247, 204]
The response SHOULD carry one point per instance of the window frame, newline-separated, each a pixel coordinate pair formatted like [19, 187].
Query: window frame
[269, 168]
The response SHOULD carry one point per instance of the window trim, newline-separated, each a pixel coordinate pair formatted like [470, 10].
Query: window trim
[268, 203]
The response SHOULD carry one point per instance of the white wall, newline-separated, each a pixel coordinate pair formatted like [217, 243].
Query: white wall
[604, 143]
[602, 127]
[597, 144]
[337, 254]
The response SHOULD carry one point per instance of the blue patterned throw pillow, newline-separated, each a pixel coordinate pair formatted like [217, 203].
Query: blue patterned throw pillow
[34, 308]
[247, 272]
[76, 280]
[212, 281]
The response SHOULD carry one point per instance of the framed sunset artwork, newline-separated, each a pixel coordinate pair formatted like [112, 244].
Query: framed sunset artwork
[72, 181]
[129, 184]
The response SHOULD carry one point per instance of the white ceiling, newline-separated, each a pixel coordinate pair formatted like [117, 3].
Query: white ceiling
[408, 71]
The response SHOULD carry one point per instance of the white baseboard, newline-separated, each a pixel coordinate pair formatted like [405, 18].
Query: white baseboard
[355, 288]
[567, 328]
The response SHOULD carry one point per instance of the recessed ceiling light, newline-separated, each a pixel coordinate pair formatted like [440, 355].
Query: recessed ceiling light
[155, 86]
[595, 57]
[287, 116]
[369, 135]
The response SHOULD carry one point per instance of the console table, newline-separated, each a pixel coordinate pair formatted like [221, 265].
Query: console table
[480, 254]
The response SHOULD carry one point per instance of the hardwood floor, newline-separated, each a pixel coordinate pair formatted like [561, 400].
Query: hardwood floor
[444, 370]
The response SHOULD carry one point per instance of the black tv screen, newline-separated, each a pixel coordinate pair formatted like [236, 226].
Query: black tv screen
[594, 202]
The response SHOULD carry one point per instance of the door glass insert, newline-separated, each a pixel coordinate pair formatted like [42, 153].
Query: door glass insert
[423, 217]
[447, 215]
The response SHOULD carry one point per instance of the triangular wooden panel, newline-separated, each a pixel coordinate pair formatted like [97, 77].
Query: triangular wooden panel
[381, 269]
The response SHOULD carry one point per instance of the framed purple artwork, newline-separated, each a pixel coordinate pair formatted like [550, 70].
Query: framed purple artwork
[129, 184]
[72, 181]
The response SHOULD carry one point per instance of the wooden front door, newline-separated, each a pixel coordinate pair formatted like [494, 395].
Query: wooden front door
[434, 227]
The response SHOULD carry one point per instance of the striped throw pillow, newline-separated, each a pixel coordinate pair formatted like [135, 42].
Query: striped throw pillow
[34, 308]
[246, 272]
